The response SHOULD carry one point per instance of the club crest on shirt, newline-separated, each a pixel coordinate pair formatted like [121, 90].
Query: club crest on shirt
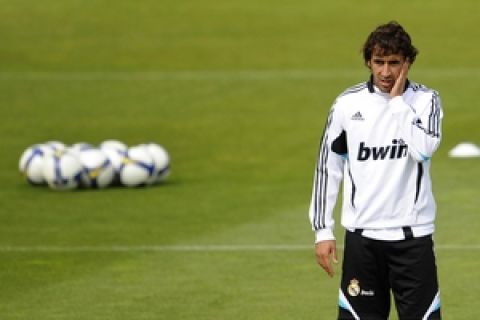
[353, 288]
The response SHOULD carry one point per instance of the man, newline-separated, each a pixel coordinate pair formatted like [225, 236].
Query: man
[379, 138]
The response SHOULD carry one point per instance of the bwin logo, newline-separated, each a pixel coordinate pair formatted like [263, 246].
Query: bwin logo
[397, 150]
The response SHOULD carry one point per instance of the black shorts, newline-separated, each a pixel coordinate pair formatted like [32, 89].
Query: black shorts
[373, 269]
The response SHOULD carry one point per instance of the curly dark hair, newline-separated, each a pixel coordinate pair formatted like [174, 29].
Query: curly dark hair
[389, 38]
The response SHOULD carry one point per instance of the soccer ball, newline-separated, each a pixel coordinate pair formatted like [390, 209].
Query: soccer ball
[31, 160]
[98, 170]
[31, 163]
[113, 144]
[137, 167]
[62, 171]
[161, 160]
[55, 145]
[115, 151]
[78, 147]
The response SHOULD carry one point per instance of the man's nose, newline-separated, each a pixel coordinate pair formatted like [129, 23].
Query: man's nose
[386, 71]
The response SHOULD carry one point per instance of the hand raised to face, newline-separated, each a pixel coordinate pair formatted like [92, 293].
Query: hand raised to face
[399, 86]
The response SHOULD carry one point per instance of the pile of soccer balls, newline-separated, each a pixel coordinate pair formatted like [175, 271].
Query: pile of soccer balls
[83, 165]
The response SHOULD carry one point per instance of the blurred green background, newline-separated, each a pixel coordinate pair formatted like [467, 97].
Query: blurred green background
[237, 92]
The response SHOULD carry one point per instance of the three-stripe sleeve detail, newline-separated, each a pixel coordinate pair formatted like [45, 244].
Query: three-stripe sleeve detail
[321, 180]
[434, 117]
[433, 128]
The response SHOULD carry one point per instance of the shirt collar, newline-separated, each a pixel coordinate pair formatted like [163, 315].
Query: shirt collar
[372, 88]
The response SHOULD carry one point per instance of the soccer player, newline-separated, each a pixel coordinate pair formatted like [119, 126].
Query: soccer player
[379, 138]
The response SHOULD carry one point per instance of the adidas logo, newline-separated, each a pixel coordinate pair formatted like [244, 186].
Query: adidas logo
[357, 116]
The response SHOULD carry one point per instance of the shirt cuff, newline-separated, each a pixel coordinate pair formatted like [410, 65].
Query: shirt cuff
[323, 235]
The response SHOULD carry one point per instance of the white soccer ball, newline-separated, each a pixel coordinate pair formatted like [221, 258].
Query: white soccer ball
[113, 144]
[62, 171]
[115, 151]
[55, 145]
[78, 147]
[31, 163]
[161, 160]
[137, 167]
[98, 170]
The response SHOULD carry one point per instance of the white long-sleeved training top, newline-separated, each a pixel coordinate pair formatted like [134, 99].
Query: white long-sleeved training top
[380, 147]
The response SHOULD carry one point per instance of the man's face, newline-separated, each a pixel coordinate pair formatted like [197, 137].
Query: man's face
[385, 70]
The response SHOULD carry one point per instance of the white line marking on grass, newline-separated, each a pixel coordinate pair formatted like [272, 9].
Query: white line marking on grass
[183, 75]
[195, 248]
[154, 248]
[272, 74]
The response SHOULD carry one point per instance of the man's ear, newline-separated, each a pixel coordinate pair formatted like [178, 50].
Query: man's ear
[369, 65]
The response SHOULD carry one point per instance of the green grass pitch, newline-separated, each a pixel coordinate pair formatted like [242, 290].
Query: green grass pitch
[238, 92]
